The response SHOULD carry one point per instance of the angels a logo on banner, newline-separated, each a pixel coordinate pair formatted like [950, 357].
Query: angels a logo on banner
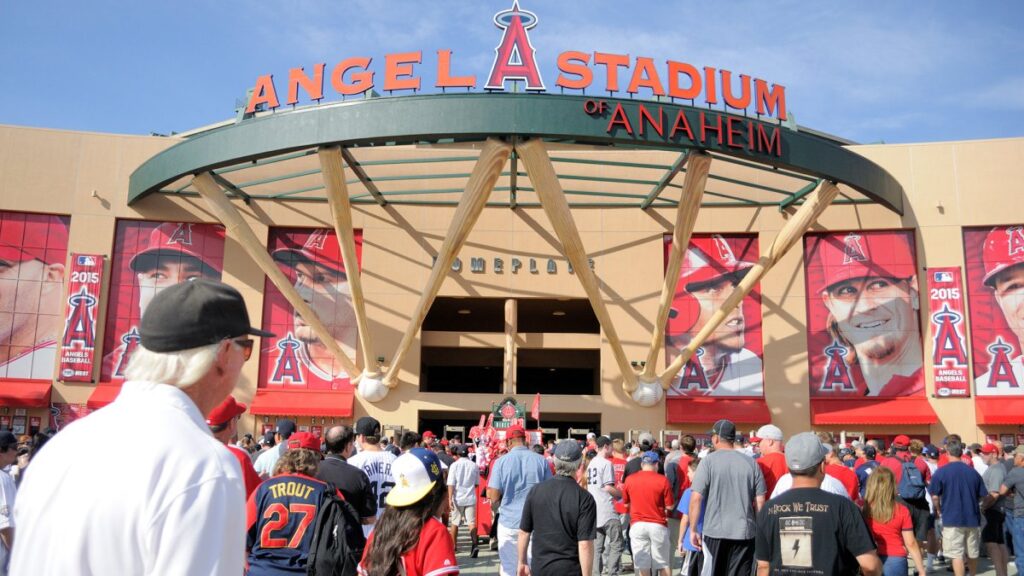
[148, 257]
[78, 346]
[949, 341]
[995, 287]
[730, 361]
[296, 358]
[863, 323]
[33, 250]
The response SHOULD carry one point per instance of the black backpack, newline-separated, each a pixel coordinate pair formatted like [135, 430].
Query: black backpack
[338, 541]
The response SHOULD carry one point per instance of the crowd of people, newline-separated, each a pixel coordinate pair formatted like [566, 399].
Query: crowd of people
[200, 499]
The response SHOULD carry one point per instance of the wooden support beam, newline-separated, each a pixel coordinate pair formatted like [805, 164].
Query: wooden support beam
[333, 171]
[511, 333]
[486, 172]
[686, 217]
[552, 199]
[804, 218]
[226, 212]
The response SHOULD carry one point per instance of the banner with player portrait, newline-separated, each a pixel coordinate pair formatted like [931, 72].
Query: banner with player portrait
[995, 289]
[78, 344]
[296, 359]
[863, 314]
[949, 336]
[729, 364]
[148, 257]
[33, 251]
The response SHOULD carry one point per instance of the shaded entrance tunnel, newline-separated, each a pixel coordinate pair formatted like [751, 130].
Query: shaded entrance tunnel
[555, 424]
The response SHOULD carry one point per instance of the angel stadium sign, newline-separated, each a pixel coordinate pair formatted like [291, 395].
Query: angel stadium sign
[515, 60]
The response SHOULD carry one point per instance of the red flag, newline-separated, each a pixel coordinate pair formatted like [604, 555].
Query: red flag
[483, 420]
[535, 411]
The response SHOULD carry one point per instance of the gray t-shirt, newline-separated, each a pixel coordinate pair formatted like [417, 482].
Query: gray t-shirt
[993, 478]
[1015, 481]
[599, 475]
[465, 477]
[728, 481]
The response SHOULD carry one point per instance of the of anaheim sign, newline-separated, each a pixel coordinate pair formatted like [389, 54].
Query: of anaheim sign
[515, 60]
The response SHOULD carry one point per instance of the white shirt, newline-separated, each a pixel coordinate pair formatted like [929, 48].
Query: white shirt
[377, 466]
[829, 484]
[7, 493]
[465, 477]
[266, 461]
[107, 496]
[979, 464]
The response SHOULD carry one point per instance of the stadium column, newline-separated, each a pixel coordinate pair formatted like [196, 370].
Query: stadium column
[485, 173]
[698, 165]
[552, 199]
[333, 171]
[804, 218]
[236, 226]
[511, 332]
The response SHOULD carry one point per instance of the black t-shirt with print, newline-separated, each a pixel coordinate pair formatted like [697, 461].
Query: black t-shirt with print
[560, 515]
[807, 531]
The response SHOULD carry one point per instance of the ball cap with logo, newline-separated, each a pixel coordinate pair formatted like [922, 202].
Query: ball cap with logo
[321, 249]
[25, 239]
[901, 441]
[568, 450]
[415, 473]
[225, 411]
[708, 260]
[864, 255]
[1003, 249]
[203, 242]
[804, 450]
[304, 440]
[195, 313]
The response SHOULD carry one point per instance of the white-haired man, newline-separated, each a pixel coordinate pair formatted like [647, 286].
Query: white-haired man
[177, 506]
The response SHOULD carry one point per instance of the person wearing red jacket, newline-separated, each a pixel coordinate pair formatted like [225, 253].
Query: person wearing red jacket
[223, 423]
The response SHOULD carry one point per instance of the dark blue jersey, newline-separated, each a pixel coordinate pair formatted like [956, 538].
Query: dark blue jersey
[280, 519]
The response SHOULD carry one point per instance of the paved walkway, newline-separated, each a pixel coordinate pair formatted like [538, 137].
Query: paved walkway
[487, 562]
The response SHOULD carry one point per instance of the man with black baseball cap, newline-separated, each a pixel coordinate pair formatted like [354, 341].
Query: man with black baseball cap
[268, 459]
[374, 461]
[734, 489]
[807, 530]
[179, 508]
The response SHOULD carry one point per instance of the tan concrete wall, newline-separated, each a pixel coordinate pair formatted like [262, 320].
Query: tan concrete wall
[948, 185]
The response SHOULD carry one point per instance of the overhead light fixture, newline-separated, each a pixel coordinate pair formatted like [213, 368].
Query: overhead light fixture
[551, 369]
[558, 313]
[465, 311]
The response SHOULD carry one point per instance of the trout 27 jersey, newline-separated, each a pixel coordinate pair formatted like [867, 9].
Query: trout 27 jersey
[280, 516]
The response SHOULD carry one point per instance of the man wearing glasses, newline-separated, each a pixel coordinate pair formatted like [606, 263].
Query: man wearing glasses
[177, 504]
[871, 295]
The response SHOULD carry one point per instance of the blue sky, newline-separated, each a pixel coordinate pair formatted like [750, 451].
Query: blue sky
[868, 70]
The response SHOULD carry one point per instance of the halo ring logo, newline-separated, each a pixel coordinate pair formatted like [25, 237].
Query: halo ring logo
[504, 18]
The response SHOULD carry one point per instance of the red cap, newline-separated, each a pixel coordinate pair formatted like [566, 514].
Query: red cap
[865, 254]
[515, 431]
[304, 440]
[444, 442]
[204, 242]
[321, 248]
[1004, 248]
[710, 258]
[428, 435]
[227, 410]
[989, 448]
[25, 237]
[901, 440]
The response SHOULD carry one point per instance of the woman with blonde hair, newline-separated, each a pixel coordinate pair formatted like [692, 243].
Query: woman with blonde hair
[890, 525]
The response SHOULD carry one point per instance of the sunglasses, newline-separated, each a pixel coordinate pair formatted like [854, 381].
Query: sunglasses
[246, 345]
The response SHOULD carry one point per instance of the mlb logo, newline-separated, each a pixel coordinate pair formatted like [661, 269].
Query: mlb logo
[86, 261]
[943, 277]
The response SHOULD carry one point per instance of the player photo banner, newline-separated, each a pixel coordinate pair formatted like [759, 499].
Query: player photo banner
[33, 251]
[949, 341]
[148, 257]
[296, 359]
[863, 322]
[995, 287]
[729, 364]
[78, 346]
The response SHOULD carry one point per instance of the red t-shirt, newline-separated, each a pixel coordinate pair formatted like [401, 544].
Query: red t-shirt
[847, 476]
[944, 459]
[895, 463]
[889, 535]
[648, 494]
[433, 553]
[773, 466]
[618, 469]
[252, 479]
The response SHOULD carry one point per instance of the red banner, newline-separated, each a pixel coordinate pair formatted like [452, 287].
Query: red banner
[535, 411]
[78, 346]
[949, 345]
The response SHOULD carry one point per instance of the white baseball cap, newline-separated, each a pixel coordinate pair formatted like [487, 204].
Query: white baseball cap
[415, 473]
[767, 432]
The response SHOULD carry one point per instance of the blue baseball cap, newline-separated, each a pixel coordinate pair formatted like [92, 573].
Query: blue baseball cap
[650, 457]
